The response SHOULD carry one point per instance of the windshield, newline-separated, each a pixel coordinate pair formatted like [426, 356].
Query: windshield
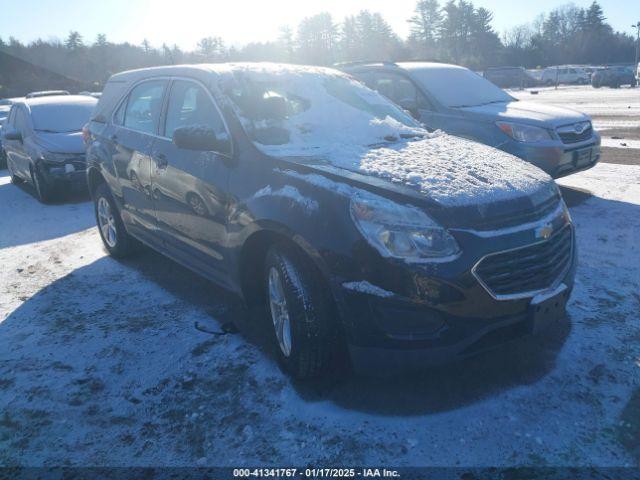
[459, 87]
[308, 111]
[61, 118]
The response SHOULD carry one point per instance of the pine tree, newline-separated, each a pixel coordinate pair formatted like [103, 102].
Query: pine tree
[426, 23]
[74, 41]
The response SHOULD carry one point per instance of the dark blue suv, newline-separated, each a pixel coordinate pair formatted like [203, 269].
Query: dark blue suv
[301, 189]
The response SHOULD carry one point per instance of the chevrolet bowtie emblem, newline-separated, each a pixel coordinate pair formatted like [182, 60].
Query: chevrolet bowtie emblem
[544, 232]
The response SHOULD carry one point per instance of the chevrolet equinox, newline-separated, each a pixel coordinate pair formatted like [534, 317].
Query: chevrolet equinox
[302, 189]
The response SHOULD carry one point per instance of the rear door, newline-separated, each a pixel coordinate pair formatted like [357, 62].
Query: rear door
[190, 186]
[136, 124]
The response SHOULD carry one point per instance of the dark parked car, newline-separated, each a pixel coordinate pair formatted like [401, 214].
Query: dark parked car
[43, 141]
[303, 190]
[613, 77]
[5, 106]
[510, 77]
[559, 140]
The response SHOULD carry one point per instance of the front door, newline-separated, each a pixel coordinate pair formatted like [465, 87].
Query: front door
[189, 186]
[16, 152]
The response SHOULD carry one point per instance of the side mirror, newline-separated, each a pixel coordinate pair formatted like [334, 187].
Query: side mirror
[12, 134]
[197, 138]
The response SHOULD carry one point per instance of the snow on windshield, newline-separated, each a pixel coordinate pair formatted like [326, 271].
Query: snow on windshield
[459, 87]
[61, 117]
[308, 111]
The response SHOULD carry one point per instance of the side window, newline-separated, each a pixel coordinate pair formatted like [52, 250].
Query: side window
[142, 112]
[118, 118]
[11, 119]
[191, 106]
[400, 90]
[21, 122]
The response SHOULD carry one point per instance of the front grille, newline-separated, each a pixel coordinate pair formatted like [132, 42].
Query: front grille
[519, 217]
[79, 162]
[569, 136]
[529, 269]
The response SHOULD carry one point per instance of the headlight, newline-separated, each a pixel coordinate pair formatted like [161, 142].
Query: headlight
[524, 133]
[401, 231]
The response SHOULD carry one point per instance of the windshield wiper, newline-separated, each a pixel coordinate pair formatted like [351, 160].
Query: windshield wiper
[412, 135]
[480, 104]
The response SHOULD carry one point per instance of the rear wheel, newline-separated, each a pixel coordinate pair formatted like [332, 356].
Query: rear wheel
[110, 226]
[301, 314]
[43, 191]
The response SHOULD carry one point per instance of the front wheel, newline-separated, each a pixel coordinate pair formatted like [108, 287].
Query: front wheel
[110, 226]
[301, 314]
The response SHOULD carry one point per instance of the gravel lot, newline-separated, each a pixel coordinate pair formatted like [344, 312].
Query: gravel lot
[110, 363]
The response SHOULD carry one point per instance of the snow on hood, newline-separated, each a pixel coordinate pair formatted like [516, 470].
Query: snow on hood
[452, 171]
[61, 142]
[529, 112]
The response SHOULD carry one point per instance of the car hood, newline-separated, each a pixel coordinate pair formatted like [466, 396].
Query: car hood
[61, 142]
[462, 183]
[531, 113]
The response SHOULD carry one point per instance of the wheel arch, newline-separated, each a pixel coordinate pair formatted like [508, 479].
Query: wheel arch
[253, 254]
[94, 178]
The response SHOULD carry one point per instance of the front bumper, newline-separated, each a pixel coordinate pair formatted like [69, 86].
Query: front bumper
[64, 174]
[429, 314]
[556, 158]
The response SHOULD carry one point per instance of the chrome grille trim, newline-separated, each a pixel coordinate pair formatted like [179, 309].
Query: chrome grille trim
[530, 293]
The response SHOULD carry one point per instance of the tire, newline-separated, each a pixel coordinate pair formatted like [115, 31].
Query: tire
[301, 302]
[44, 192]
[114, 236]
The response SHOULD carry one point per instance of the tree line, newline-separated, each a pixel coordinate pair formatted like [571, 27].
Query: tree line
[455, 31]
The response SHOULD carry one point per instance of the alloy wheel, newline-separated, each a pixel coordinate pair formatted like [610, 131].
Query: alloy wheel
[197, 205]
[279, 312]
[107, 222]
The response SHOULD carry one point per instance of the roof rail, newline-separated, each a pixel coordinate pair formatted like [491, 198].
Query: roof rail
[363, 62]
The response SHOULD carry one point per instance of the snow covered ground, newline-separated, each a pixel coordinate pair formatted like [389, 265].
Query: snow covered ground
[109, 363]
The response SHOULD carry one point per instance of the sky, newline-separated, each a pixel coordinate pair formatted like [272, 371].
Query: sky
[238, 22]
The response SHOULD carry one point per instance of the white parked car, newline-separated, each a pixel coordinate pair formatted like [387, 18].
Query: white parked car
[565, 75]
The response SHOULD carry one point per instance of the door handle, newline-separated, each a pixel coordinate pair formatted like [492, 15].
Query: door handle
[161, 160]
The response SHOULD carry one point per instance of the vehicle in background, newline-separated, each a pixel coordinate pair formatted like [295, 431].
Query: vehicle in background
[91, 94]
[566, 75]
[536, 74]
[454, 99]
[47, 93]
[43, 142]
[7, 102]
[510, 77]
[613, 77]
[4, 111]
[331, 206]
